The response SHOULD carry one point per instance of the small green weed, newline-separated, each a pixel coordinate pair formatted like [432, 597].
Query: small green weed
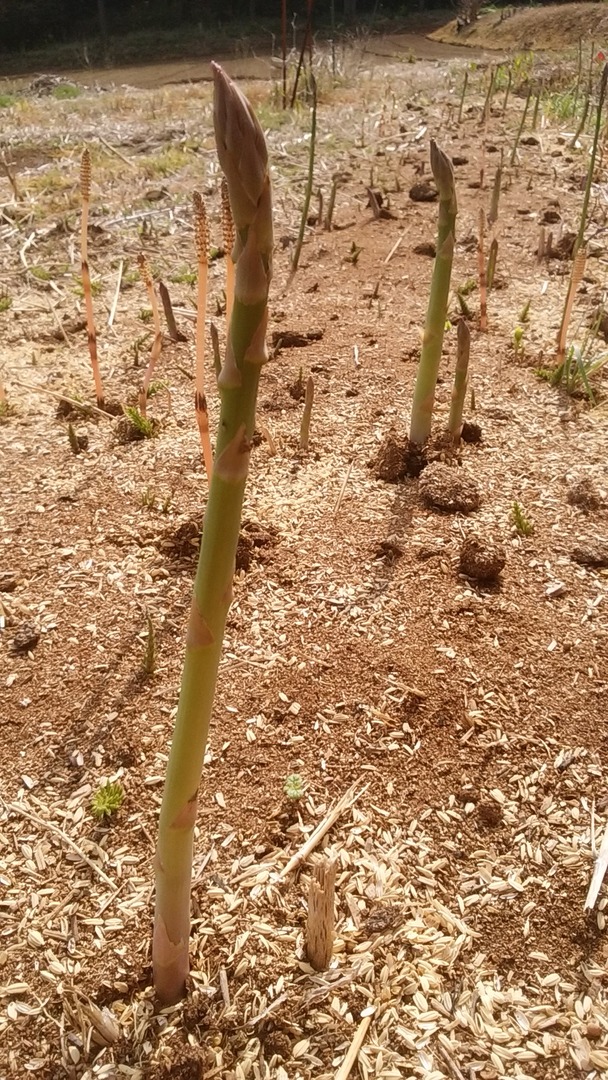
[522, 522]
[66, 91]
[5, 303]
[148, 498]
[518, 341]
[524, 315]
[6, 100]
[6, 410]
[184, 277]
[107, 799]
[41, 273]
[353, 255]
[294, 787]
[146, 314]
[144, 427]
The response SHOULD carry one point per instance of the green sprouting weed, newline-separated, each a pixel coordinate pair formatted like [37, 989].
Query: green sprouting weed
[6, 410]
[522, 522]
[107, 799]
[75, 446]
[145, 428]
[41, 273]
[5, 303]
[155, 387]
[294, 787]
[467, 287]
[66, 91]
[518, 340]
[524, 315]
[6, 100]
[353, 255]
[150, 653]
[165, 506]
[184, 277]
[148, 498]
[462, 304]
[146, 314]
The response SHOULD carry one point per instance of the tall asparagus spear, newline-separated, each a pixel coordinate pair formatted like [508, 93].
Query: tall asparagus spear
[244, 160]
[85, 191]
[228, 233]
[428, 368]
[201, 239]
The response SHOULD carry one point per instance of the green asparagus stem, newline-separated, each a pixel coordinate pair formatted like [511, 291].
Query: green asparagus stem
[428, 368]
[492, 257]
[244, 160]
[520, 129]
[591, 170]
[464, 90]
[460, 379]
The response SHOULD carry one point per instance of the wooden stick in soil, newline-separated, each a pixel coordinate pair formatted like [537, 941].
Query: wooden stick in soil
[320, 920]
[157, 344]
[460, 380]
[85, 191]
[306, 415]
[481, 264]
[201, 239]
[578, 269]
[228, 239]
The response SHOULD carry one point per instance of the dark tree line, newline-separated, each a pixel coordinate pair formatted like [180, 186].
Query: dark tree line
[31, 23]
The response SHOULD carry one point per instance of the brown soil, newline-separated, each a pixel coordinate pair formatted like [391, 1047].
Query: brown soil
[466, 719]
[553, 26]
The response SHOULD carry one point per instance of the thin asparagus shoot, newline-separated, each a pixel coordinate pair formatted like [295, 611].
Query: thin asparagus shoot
[297, 251]
[428, 368]
[460, 379]
[85, 191]
[596, 136]
[508, 89]
[495, 198]
[520, 129]
[306, 415]
[462, 95]
[228, 235]
[481, 264]
[201, 240]
[243, 157]
[157, 344]
[492, 257]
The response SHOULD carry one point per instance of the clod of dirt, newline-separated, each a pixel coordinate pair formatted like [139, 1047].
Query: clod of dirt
[591, 552]
[297, 389]
[8, 580]
[26, 637]
[449, 488]
[471, 432]
[82, 439]
[188, 1063]
[184, 541]
[155, 194]
[252, 539]
[381, 918]
[390, 550]
[460, 159]
[423, 191]
[293, 339]
[550, 216]
[490, 813]
[564, 247]
[425, 248]
[482, 558]
[530, 140]
[584, 493]
[397, 458]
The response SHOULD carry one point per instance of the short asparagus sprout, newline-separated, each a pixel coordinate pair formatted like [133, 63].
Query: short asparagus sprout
[576, 276]
[523, 525]
[428, 368]
[496, 188]
[150, 653]
[294, 787]
[244, 160]
[492, 257]
[481, 263]
[520, 129]
[462, 95]
[157, 344]
[518, 341]
[108, 798]
[306, 415]
[460, 380]
[297, 251]
[85, 191]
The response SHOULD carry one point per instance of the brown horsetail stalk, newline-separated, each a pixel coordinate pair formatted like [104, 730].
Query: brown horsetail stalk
[576, 276]
[228, 235]
[481, 265]
[430, 357]
[201, 240]
[244, 159]
[460, 379]
[306, 415]
[85, 191]
[157, 344]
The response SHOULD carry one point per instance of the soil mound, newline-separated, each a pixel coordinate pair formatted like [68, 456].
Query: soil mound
[556, 26]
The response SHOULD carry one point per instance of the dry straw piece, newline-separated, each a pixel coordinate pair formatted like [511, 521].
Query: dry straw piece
[157, 344]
